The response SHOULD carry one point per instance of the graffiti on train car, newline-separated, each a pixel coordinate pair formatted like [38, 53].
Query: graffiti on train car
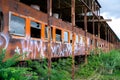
[4, 40]
[32, 47]
[60, 49]
[79, 49]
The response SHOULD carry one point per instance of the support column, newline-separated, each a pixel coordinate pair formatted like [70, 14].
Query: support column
[106, 32]
[85, 28]
[93, 24]
[108, 41]
[112, 41]
[99, 29]
[106, 37]
[98, 34]
[73, 38]
[49, 12]
[93, 45]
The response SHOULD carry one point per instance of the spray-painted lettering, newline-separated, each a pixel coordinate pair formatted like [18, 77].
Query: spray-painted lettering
[32, 47]
[4, 40]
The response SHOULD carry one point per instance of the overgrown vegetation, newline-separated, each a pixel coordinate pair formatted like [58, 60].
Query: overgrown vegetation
[35, 70]
[102, 66]
[60, 70]
[7, 72]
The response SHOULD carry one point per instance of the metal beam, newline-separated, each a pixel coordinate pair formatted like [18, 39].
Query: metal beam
[89, 9]
[73, 38]
[96, 20]
[85, 28]
[93, 37]
[49, 12]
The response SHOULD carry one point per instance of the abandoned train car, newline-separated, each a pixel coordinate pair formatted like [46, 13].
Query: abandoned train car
[24, 28]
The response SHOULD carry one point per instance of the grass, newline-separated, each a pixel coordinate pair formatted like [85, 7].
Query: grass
[104, 66]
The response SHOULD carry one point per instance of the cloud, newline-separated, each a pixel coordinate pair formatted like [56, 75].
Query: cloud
[111, 10]
[115, 24]
[111, 6]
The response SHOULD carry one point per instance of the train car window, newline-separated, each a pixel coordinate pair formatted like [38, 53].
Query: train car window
[1, 21]
[77, 40]
[51, 35]
[35, 29]
[17, 25]
[88, 41]
[81, 40]
[91, 41]
[70, 38]
[58, 35]
[66, 37]
[46, 32]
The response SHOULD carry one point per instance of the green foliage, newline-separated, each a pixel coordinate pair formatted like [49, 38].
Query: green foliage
[110, 61]
[63, 64]
[61, 70]
[2, 56]
[39, 67]
[13, 73]
[36, 70]
[100, 66]
[60, 75]
[85, 71]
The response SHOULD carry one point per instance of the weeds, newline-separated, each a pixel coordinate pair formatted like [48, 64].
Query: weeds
[102, 66]
[7, 72]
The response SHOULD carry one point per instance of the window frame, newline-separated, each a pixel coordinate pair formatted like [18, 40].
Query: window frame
[17, 15]
[61, 37]
[77, 38]
[51, 35]
[67, 37]
[72, 37]
[34, 20]
[46, 38]
[81, 39]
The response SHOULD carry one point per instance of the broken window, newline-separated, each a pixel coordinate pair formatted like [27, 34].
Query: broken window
[65, 36]
[35, 29]
[58, 35]
[1, 21]
[17, 25]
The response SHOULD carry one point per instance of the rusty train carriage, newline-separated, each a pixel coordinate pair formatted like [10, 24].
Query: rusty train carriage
[25, 30]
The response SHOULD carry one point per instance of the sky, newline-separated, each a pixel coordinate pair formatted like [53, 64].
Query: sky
[111, 10]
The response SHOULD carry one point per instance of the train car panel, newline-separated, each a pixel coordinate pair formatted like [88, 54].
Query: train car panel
[24, 30]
